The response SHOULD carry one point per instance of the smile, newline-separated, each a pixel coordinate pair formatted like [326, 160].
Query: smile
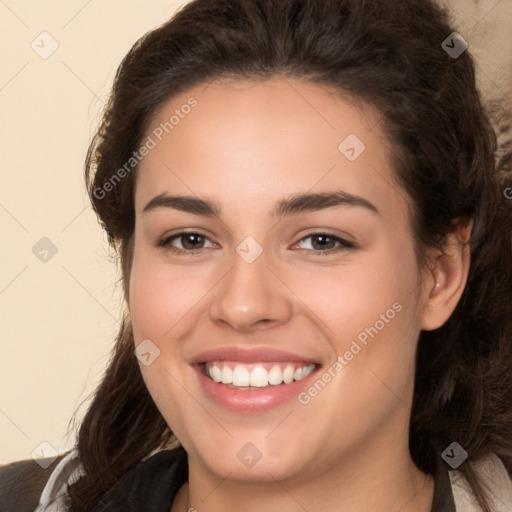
[253, 380]
[257, 375]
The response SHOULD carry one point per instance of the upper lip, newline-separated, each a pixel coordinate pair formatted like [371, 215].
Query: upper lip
[249, 355]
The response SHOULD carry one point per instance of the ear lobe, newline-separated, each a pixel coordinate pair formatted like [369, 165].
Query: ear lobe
[445, 284]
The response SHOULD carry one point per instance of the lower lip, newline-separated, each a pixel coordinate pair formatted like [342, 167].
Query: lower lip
[257, 400]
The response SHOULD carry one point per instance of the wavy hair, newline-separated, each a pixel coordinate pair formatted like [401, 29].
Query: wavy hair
[386, 53]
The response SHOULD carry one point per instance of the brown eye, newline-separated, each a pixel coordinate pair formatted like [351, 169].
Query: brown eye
[324, 243]
[191, 240]
[184, 242]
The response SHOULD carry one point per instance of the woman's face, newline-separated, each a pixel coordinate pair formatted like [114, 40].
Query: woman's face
[303, 268]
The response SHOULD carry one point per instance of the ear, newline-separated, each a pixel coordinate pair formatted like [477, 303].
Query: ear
[446, 279]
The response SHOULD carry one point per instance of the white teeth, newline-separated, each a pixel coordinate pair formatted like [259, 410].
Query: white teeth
[275, 376]
[258, 377]
[227, 375]
[288, 374]
[215, 373]
[240, 376]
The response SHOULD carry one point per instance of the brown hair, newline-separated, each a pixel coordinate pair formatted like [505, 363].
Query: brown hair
[387, 53]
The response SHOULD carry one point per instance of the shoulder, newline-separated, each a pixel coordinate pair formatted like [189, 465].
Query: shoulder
[496, 480]
[36, 485]
[22, 482]
[26, 487]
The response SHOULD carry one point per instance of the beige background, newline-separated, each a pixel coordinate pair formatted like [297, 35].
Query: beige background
[59, 318]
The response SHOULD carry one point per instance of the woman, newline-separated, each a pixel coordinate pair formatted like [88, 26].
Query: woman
[316, 253]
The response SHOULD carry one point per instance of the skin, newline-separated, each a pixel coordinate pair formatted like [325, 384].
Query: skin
[245, 146]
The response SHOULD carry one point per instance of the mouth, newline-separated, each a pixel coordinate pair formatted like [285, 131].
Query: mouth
[253, 380]
[255, 376]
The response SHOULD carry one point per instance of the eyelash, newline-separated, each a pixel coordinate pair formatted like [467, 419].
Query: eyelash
[164, 243]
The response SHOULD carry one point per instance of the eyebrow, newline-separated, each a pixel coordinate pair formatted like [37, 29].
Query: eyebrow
[297, 203]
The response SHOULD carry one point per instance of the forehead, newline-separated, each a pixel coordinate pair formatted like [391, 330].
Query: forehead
[255, 139]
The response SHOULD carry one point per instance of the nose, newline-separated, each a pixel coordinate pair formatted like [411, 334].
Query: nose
[251, 296]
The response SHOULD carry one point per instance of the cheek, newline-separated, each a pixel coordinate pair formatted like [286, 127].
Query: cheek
[368, 313]
[161, 296]
[366, 292]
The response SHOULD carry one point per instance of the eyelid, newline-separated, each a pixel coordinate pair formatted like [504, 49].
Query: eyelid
[344, 243]
[331, 233]
[164, 242]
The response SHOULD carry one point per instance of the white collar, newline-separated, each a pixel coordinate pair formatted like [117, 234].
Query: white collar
[54, 495]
